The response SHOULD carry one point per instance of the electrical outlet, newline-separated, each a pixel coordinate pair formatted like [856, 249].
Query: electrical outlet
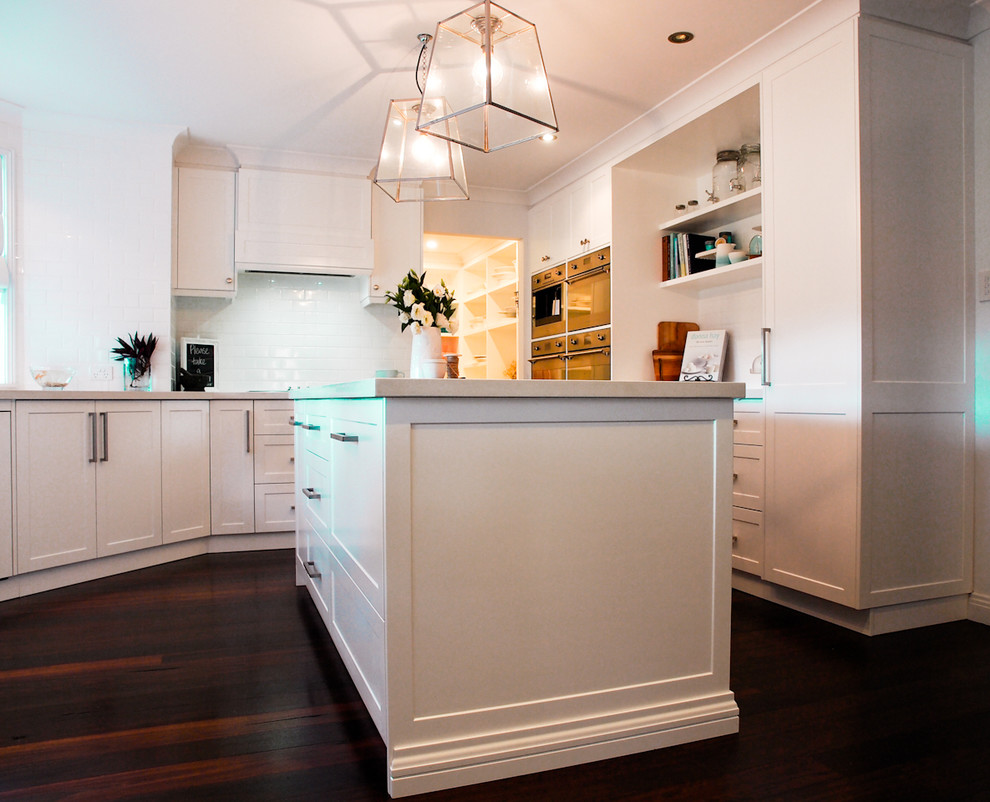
[983, 285]
[101, 373]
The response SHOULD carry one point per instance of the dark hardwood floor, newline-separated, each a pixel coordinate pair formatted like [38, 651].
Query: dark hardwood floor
[212, 678]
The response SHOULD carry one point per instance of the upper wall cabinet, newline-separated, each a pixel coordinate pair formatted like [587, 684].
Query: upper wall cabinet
[204, 233]
[576, 220]
[294, 222]
[398, 235]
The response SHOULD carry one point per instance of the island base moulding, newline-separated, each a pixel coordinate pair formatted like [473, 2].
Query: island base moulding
[504, 637]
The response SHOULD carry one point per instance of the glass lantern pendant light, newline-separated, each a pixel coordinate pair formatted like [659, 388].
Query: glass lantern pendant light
[486, 72]
[413, 166]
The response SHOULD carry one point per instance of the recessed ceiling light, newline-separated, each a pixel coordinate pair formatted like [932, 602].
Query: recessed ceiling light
[548, 137]
[680, 37]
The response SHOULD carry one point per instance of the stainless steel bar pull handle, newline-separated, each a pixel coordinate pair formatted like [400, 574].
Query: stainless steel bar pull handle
[106, 443]
[313, 427]
[340, 437]
[765, 362]
[247, 423]
[311, 493]
[312, 570]
[92, 435]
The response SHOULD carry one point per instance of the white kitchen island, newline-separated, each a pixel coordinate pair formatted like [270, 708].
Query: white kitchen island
[521, 575]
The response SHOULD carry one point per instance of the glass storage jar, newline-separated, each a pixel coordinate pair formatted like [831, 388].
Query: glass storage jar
[725, 175]
[749, 166]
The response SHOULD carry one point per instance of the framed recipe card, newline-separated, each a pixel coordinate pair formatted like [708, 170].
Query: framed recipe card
[200, 357]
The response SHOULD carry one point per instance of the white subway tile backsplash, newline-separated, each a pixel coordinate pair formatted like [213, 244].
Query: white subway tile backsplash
[282, 331]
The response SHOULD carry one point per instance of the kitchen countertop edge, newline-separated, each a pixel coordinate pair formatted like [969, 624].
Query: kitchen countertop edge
[135, 395]
[519, 388]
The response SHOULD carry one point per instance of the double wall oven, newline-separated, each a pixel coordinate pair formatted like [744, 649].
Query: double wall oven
[571, 318]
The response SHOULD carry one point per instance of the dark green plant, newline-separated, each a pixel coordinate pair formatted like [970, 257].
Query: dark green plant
[139, 349]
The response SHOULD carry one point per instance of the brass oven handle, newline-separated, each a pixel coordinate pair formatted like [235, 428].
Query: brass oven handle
[588, 273]
[605, 351]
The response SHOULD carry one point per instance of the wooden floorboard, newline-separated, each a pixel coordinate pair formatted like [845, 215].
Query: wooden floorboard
[212, 678]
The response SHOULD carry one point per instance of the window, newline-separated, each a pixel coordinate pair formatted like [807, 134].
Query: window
[6, 264]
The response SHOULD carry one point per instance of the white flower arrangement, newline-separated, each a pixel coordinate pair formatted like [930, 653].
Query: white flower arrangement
[422, 307]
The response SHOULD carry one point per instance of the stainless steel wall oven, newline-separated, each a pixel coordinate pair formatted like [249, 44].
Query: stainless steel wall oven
[573, 300]
[548, 302]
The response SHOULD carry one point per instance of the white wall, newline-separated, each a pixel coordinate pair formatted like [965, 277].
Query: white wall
[95, 244]
[285, 331]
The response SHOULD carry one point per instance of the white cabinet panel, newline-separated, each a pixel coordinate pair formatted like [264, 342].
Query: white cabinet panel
[274, 459]
[56, 483]
[204, 232]
[185, 470]
[357, 476]
[274, 507]
[288, 220]
[231, 467]
[89, 480]
[273, 417]
[6, 498]
[129, 477]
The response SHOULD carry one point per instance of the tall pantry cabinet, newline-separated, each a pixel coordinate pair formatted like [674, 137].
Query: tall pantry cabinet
[867, 302]
[854, 332]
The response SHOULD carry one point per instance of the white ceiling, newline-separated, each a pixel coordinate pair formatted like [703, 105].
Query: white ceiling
[316, 75]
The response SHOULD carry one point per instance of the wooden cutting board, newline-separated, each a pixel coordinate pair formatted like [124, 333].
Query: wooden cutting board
[671, 336]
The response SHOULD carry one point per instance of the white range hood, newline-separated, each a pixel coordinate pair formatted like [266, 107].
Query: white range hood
[303, 222]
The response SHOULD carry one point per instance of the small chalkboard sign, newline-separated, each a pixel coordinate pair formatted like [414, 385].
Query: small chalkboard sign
[200, 357]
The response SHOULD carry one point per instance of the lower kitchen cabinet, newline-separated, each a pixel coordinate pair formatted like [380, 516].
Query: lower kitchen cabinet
[231, 467]
[747, 486]
[6, 497]
[252, 466]
[185, 470]
[89, 480]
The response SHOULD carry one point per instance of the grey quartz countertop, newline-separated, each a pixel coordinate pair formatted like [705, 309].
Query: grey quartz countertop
[519, 388]
[134, 395]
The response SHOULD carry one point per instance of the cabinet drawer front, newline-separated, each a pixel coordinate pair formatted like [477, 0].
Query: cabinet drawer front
[747, 540]
[357, 524]
[274, 459]
[274, 508]
[314, 490]
[315, 557]
[273, 417]
[747, 423]
[747, 477]
[359, 633]
[312, 420]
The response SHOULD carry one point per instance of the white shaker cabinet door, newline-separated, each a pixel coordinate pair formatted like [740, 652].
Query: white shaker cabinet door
[813, 313]
[357, 535]
[129, 476]
[204, 233]
[185, 470]
[56, 483]
[231, 467]
[6, 500]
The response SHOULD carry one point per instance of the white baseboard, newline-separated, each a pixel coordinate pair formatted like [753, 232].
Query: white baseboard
[872, 621]
[979, 608]
[65, 575]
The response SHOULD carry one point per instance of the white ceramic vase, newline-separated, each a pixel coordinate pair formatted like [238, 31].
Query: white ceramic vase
[427, 360]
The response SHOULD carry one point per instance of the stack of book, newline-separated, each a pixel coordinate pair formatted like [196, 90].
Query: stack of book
[680, 255]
